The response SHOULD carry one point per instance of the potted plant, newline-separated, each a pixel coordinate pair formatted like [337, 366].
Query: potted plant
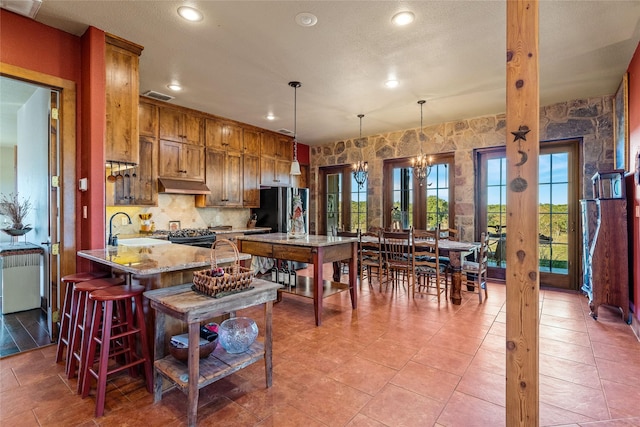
[17, 211]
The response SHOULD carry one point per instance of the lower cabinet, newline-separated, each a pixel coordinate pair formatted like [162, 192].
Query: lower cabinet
[223, 176]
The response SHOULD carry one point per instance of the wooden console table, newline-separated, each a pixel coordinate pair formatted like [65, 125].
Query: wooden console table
[311, 249]
[192, 308]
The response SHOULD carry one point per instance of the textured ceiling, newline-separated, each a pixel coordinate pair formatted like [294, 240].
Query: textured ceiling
[236, 63]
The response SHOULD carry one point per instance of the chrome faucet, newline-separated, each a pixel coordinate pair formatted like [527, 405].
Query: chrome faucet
[113, 240]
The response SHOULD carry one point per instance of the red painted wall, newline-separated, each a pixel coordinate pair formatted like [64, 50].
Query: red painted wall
[91, 160]
[31, 45]
[634, 196]
[28, 44]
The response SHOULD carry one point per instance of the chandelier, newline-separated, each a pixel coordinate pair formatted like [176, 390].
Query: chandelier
[421, 164]
[295, 166]
[360, 168]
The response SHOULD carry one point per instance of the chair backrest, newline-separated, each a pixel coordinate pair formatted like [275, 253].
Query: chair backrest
[426, 254]
[450, 234]
[371, 246]
[483, 254]
[397, 246]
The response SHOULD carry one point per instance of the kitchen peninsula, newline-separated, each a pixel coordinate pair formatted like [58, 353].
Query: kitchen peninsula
[159, 266]
[312, 249]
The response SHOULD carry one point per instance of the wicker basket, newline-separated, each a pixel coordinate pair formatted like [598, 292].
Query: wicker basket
[235, 279]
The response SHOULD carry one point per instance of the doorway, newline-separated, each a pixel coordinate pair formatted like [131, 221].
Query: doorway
[558, 194]
[29, 151]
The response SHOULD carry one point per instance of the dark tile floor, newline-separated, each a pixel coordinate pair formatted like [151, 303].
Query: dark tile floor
[395, 361]
[23, 331]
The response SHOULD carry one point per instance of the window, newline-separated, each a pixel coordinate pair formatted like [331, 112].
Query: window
[408, 204]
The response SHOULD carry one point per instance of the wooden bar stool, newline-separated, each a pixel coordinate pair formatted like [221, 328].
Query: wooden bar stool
[82, 320]
[68, 312]
[116, 339]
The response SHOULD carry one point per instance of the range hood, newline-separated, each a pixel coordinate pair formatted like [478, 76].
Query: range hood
[180, 186]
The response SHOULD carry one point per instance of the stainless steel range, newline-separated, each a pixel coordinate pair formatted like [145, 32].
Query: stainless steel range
[200, 237]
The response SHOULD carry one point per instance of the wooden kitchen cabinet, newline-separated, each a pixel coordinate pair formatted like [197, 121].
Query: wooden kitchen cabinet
[145, 191]
[251, 181]
[179, 160]
[223, 176]
[121, 90]
[223, 135]
[181, 126]
[252, 140]
[147, 119]
[275, 160]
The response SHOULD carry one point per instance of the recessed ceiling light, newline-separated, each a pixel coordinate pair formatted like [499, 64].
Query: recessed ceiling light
[403, 18]
[190, 14]
[391, 83]
[270, 117]
[174, 87]
[306, 19]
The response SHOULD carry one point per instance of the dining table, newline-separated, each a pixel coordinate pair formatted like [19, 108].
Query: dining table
[455, 251]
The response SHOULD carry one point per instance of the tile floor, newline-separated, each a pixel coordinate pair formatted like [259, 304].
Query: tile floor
[395, 361]
[23, 331]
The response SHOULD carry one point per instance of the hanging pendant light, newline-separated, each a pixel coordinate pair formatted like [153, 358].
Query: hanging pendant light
[422, 164]
[295, 166]
[360, 168]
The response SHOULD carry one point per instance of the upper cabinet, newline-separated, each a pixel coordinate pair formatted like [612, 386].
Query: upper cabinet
[180, 126]
[275, 160]
[252, 140]
[148, 119]
[221, 135]
[122, 72]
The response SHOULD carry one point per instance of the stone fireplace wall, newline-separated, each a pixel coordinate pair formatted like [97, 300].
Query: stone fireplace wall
[589, 119]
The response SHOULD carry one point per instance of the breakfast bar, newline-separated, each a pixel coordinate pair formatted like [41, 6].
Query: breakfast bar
[312, 249]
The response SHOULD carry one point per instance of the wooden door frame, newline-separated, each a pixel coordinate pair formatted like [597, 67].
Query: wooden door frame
[67, 173]
[574, 145]
[323, 171]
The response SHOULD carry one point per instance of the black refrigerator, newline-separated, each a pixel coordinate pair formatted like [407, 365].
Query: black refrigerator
[276, 208]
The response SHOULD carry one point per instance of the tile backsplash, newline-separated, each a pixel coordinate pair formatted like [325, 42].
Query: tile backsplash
[177, 207]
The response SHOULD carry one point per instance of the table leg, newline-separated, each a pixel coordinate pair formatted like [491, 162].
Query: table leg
[318, 284]
[158, 353]
[268, 348]
[194, 373]
[456, 277]
[353, 276]
[337, 271]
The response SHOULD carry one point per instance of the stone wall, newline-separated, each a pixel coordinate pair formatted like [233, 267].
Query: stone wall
[589, 119]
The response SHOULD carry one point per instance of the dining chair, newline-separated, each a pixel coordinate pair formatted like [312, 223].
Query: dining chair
[428, 270]
[449, 233]
[398, 259]
[371, 255]
[474, 273]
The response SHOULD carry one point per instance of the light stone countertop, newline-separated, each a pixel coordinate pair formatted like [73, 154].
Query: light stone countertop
[309, 240]
[150, 260]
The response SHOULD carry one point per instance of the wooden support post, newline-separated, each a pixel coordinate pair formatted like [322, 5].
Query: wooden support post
[523, 283]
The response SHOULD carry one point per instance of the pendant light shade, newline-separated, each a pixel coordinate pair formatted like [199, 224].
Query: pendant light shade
[422, 164]
[360, 168]
[295, 165]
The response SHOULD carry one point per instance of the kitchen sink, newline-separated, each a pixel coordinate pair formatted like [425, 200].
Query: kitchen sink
[142, 241]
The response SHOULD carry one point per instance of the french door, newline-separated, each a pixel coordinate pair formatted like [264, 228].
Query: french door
[342, 203]
[558, 193]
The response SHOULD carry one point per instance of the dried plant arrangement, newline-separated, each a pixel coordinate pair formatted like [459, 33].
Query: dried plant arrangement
[15, 209]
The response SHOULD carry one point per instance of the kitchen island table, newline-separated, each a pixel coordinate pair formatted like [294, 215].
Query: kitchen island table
[157, 267]
[311, 249]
